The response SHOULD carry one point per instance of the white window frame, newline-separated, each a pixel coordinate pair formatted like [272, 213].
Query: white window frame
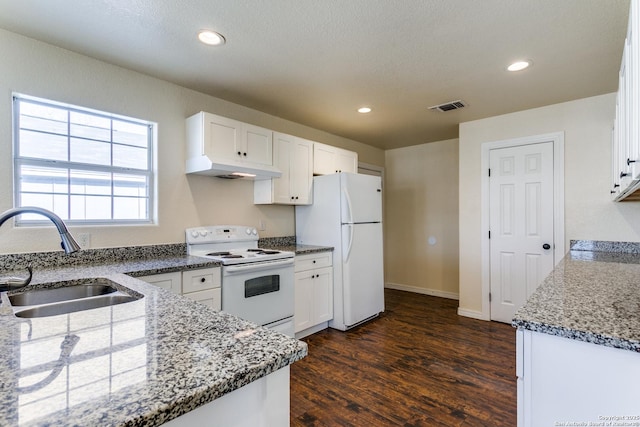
[19, 161]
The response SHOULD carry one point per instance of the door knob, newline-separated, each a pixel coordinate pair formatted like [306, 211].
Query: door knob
[546, 246]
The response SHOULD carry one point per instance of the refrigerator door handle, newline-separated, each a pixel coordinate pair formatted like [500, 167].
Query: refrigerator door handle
[349, 244]
[347, 198]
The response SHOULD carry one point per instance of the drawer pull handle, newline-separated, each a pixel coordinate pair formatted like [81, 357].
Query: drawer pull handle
[203, 280]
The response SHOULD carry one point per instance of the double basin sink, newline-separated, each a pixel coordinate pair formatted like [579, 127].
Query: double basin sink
[68, 297]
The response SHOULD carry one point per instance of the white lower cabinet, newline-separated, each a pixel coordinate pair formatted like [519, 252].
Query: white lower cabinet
[313, 293]
[169, 281]
[564, 382]
[202, 285]
[264, 402]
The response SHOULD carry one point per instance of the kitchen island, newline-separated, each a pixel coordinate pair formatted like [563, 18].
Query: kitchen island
[145, 362]
[578, 340]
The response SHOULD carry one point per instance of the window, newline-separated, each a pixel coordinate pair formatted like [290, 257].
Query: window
[88, 167]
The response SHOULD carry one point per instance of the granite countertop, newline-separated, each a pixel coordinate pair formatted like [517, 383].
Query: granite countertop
[140, 363]
[592, 295]
[289, 244]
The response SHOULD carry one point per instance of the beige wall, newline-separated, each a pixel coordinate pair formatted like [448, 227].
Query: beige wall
[421, 201]
[589, 211]
[41, 70]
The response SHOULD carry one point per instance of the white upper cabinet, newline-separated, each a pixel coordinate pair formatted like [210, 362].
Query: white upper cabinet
[220, 146]
[328, 159]
[293, 156]
[626, 133]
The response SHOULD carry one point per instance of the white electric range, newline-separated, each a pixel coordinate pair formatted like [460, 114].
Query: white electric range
[257, 284]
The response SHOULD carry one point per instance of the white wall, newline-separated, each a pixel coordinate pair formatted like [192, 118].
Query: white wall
[589, 212]
[421, 201]
[38, 69]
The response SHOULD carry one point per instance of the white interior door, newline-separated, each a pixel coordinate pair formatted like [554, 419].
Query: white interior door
[521, 224]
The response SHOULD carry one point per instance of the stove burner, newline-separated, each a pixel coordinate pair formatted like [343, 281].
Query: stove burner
[232, 256]
[263, 251]
[219, 253]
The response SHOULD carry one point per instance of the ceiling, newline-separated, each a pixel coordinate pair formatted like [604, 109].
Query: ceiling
[316, 61]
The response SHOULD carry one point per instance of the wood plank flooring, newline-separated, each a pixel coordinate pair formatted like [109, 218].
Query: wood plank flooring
[419, 364]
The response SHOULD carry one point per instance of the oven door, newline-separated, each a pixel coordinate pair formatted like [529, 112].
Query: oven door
[261, 292]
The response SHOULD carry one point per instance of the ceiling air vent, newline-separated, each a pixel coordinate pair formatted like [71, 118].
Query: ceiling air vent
[448, 106]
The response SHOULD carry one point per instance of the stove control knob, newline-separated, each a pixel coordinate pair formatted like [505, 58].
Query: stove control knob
[194, 234]
[203, 233]
[254, 231]
[248, 231]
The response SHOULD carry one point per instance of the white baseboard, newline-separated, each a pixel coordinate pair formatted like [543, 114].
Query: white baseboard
[472, 313]
[424, 291]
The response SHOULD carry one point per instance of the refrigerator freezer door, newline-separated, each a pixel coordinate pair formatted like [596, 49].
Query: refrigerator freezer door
[362, 272]
[361, 198]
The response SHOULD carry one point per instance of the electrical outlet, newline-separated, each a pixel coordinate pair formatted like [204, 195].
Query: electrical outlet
[263, 225]
[84, 240]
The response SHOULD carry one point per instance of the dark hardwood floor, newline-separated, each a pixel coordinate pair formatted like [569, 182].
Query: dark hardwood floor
[419, 364]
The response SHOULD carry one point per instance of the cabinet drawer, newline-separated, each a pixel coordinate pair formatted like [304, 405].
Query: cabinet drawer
[199, 280]
[211, 298]
[311, 261]
[169, 281]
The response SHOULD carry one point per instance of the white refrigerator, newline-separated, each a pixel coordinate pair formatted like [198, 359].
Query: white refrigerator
[347, 215]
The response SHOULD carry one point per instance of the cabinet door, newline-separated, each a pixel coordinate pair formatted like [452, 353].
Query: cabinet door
[282, 148]
[322, 294]
[258, 145]
[169, 281]
[223, 137]
[303, 313]
[347, 161]
[323, 159]
[328, 159]
[211, 298]
[301, 173]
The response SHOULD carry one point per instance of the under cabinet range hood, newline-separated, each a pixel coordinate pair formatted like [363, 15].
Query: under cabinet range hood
[203, 165]
[227, 148]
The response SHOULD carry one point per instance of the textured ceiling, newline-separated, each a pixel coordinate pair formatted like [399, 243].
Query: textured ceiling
[316, 61]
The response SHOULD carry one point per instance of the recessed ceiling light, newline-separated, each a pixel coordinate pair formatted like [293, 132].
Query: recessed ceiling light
[364, 110]
[519, 65]
[211, 38]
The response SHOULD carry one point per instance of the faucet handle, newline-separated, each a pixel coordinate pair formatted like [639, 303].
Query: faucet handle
[10, 283]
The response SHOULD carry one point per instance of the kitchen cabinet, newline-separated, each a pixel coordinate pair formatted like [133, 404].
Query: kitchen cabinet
[169, 281]
[263, 402]
[328, 159]
[201, 285]
[216, 145]
[626, 130]
[561, 380]
[293, 156]
[313, 293]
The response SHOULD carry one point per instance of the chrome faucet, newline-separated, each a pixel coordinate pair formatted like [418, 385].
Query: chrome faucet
[68, 243]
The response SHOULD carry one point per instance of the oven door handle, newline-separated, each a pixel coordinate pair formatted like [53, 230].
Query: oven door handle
[256, 266]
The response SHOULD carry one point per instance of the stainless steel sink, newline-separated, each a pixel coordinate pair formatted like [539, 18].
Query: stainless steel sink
[69, 297]
[67, 293]
[75, 305]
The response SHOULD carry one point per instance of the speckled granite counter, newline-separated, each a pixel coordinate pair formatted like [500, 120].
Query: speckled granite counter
[289, 244]
[592, 295]
[140, 363]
